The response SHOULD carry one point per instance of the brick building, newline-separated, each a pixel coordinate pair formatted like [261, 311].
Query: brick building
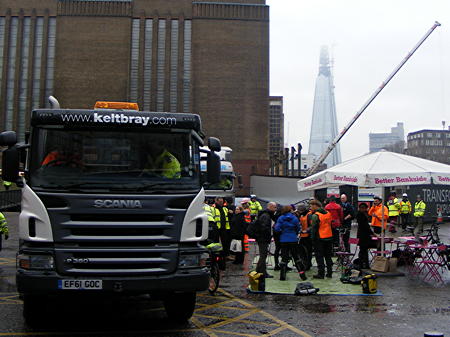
[430, 144]
[210, 58]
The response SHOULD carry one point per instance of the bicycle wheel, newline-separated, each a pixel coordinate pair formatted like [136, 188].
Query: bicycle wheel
[214, 278]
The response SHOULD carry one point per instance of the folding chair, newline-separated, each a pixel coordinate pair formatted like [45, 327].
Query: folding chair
[430, 270]
[344, 259]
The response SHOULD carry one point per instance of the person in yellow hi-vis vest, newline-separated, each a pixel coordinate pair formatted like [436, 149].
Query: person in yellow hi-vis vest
[161, 163]
[255, 206]
[223, 224]
[419, 212]
[394, 211]
[405, 211]
[3, 229]
[213, 234]
[7, 185]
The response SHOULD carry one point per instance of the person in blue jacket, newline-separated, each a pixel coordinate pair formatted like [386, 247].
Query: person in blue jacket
[289, 228]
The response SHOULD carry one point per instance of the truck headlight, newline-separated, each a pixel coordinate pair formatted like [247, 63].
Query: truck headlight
[192, 260]
[35, 262]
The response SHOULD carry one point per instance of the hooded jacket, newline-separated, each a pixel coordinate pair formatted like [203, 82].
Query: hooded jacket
[289, 227]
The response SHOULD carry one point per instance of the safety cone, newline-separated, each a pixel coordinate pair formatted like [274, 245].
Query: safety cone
[439, 216]
[246, 246]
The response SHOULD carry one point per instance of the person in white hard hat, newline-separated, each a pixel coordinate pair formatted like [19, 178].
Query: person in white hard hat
[255, 206]
[405, 211]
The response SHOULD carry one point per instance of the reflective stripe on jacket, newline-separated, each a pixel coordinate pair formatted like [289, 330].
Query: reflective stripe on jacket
[217, 217]
[419, 208]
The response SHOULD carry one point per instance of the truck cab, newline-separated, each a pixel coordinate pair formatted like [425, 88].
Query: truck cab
[226, 186]
[112, 203]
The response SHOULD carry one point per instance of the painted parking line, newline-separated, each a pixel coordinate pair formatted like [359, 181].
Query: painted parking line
[218, 320]
[214, 316]
[7, 261]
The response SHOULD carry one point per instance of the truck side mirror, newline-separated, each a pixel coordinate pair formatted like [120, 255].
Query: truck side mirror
[10, 164]
[214, 144]
[240, 183]
[213, 168]
[8, 138]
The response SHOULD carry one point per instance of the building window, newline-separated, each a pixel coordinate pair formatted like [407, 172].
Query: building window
[174, 66]
[134, 62]
[187, 65]
[148, 42]
[23, 85]
[37, 58]
[160, 80]
[12, 51]
[51, 42]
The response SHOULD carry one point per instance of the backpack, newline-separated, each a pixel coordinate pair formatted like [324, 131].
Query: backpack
[305, 288]
[254, 227]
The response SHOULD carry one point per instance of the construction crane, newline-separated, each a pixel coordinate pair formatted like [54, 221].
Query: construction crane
[332, 145]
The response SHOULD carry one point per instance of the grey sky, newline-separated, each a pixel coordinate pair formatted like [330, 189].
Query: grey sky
[370, 38]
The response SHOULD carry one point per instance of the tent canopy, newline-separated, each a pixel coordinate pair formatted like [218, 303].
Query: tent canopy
[379, 169]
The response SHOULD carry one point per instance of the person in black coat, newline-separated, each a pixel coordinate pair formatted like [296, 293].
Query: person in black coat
[364, 235]
[238, 228]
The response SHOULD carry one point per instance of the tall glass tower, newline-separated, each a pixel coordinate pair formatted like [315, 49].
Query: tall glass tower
[324, 123]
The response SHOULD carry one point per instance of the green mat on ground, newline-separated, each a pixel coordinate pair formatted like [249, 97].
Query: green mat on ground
[327, 286]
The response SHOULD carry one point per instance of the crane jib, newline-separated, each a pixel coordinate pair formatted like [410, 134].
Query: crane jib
[370, 100]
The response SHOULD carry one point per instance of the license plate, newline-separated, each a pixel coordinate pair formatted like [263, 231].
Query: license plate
[80, 284]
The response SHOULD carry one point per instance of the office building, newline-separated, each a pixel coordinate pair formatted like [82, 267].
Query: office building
[276, 125]
[324, 121]
[393, 141]
[430, 144]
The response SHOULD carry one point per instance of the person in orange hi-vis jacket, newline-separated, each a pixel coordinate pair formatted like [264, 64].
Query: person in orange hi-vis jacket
[377, 212]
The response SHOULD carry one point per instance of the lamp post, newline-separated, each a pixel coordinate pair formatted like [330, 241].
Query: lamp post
[299, 161]
[292, 160]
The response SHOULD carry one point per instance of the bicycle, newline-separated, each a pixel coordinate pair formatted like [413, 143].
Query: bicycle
[214, 261]
[432, 235]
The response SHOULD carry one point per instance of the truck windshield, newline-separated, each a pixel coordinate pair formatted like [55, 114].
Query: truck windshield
[225, 183]
[113, 160]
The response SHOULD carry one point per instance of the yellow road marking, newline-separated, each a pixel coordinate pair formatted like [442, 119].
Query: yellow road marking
[202, 327]
[246, 321]
[215, 305]
[237, 333]
[266, 314]
[9, 299]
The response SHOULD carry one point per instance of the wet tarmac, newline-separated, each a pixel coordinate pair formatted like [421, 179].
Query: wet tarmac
[408, 307]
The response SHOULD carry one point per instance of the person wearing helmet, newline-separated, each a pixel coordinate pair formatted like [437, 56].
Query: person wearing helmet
[247, 211]
[255, 206]
[405, 211]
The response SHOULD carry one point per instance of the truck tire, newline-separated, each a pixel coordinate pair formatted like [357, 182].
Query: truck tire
[34, 310]
[180, 306]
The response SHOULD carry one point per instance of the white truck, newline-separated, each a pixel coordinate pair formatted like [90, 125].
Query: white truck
[226, 186]
[112, 203]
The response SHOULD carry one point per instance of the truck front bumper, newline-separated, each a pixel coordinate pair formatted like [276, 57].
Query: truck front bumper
[189, 280]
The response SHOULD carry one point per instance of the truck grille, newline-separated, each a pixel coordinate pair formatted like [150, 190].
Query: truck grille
[112, 262]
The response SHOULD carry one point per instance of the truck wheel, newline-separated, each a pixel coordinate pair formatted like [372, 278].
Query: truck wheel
[34, 309]
[180, 306]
